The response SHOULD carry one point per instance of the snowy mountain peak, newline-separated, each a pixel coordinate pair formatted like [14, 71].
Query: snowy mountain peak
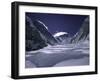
[42, 24]
[59, 34]
[83, 33]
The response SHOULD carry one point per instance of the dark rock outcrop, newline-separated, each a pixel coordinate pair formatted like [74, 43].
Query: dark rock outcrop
[83, 33]
[34, 41]
[48, 37]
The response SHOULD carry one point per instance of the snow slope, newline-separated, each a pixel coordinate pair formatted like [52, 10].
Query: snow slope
[59, 55]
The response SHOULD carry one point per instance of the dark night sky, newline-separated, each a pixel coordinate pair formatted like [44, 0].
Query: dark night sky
[59, 22]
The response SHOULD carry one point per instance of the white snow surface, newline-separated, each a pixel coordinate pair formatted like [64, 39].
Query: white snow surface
[73, 62]
[43, 24]
[59, 34]
[59, 55]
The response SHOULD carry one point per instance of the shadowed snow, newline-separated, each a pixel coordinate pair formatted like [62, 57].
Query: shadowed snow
[59, 55]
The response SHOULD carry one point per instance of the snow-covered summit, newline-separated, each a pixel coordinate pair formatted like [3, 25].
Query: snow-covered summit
[60, 34]
[83, 33]
[43, 24]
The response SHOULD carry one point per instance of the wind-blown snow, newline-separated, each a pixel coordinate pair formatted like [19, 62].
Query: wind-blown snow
[59, 34]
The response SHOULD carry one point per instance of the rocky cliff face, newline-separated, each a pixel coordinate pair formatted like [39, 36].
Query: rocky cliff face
[38, 35]
[34, 41]
[47, 36]
[83, 33]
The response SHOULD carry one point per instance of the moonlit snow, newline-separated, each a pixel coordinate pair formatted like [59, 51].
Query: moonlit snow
[59, 34]
[44, 49]
[43, 24]
[59, 55]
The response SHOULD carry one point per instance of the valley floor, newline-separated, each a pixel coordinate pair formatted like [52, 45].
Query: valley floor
[59, 55]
